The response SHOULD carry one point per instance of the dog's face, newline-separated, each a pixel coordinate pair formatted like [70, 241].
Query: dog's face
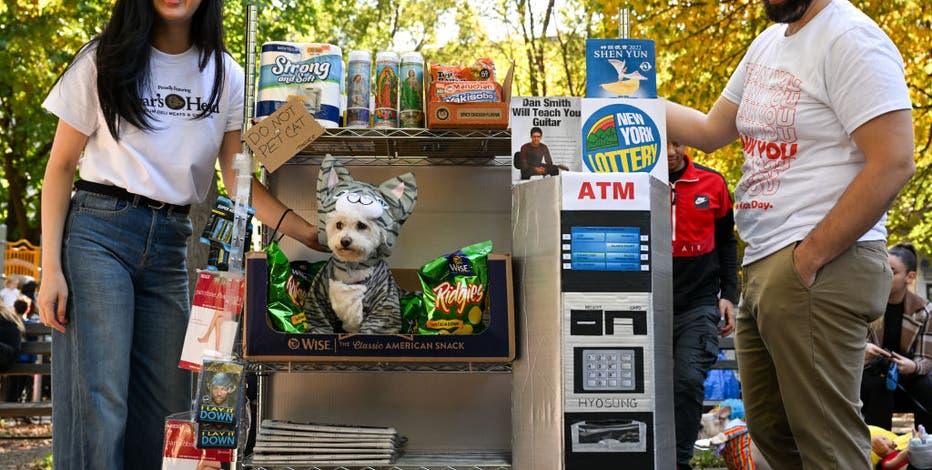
[365, 213]
[713, 422]
[352, 238]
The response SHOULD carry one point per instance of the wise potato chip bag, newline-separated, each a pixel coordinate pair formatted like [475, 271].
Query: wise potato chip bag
[288, 286]
[455, 292]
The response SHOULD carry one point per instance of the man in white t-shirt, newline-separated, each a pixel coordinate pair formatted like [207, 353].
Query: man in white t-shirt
[823, 112]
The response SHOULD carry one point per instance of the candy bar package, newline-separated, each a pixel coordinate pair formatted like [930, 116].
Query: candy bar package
[455, 295]
[219, 393]
[289, 283]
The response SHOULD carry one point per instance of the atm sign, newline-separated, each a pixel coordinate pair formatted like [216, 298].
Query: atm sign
[606, 190]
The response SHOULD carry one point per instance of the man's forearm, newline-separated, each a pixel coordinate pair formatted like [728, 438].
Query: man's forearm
[868, 196]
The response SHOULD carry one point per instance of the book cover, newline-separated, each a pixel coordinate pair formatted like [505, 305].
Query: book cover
[219, 393]
[621, 68]
[215, 436]
[544, 136]
[180, 452]
[215, 313]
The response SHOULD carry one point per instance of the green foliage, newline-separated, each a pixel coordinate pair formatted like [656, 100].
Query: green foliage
[43, 462]
[706, 459]
[37, 40]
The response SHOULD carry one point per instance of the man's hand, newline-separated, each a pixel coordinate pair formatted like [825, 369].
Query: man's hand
[728, 315]
[806, 264]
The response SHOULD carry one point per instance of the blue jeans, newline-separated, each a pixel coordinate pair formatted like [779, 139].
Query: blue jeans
[115, 370]
[695, 349]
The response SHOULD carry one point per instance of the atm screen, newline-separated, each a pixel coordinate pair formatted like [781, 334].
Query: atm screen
[605, 251]
[605, 248]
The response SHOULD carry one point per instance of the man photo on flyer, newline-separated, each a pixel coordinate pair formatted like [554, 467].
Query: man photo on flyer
[534, 158]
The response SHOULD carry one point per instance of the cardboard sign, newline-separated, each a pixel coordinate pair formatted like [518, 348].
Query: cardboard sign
[282, 134]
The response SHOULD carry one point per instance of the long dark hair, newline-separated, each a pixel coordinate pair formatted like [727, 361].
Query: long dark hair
[122, 56]
[906, 252]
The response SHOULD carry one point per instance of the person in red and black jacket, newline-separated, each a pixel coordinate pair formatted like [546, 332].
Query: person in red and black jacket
[705, 285]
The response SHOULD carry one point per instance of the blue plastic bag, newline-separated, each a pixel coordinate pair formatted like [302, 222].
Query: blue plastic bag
[722, 384]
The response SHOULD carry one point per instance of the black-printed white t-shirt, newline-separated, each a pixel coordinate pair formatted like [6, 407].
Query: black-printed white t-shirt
[173, 163]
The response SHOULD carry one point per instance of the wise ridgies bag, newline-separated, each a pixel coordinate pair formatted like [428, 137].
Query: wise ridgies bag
[455, 293]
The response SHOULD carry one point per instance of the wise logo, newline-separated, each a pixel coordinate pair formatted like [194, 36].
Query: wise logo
[620, 138]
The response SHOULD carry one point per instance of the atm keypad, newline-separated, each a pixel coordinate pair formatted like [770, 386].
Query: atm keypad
[608, 370]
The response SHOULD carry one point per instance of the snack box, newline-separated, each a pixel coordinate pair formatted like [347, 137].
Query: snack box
[472, 115]
[495, 344]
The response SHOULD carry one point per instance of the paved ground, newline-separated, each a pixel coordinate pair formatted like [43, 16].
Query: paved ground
[24, 446]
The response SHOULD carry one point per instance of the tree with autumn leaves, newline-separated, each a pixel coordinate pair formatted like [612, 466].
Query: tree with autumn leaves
[698, 46]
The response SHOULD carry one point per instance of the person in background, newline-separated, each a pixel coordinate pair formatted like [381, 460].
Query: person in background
[11, 337]
[147, 107]
[705, 285]
[10, 291]
[903, 336]
[18, 387]
[826, 151]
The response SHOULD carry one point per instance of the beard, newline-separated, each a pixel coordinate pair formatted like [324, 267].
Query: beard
[786, 12]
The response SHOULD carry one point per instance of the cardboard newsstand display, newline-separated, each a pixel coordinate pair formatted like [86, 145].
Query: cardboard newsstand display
[495, 344]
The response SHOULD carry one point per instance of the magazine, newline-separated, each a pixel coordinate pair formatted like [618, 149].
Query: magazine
[326, 428]
[219, 393]
[621, 68]
[180, 452]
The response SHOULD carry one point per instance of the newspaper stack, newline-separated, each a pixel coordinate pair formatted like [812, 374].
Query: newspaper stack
[290, 443]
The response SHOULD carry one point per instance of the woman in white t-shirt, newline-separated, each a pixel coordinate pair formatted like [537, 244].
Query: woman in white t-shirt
[151, 103]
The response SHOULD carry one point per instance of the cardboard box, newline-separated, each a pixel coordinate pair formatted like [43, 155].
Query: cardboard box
[496, 344]
[472, 115]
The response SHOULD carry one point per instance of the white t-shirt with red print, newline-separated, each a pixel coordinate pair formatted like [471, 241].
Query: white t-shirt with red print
[799, 99]
[173, 163]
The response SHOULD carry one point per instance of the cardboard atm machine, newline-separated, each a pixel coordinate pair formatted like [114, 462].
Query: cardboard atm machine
[593, 384]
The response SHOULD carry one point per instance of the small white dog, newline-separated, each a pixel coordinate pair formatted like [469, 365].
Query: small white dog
[358, 222]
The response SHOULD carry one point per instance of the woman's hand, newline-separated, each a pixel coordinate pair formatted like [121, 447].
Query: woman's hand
[871, 351]
[53, 299]
[906, 365]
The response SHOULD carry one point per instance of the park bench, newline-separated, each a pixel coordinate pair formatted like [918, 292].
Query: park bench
[40, 346]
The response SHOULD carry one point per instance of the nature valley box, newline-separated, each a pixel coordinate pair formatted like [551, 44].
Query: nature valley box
[621, 68]
[495, 344]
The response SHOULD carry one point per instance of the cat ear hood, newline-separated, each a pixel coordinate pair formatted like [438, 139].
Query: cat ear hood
[389, 205]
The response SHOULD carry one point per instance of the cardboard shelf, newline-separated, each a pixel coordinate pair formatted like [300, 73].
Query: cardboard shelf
[277, 350]
[427, 367]
[410, 147]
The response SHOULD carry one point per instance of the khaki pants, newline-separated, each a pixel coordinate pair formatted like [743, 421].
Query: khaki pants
[801, 354]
